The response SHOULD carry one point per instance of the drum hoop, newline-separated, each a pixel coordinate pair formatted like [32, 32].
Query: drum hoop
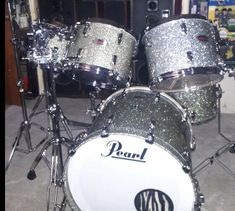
[96, 134]
[175, 18]
[189, 72]
[110, 23]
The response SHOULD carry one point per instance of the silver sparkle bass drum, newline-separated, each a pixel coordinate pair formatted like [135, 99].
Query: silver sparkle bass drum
[182, 52]
[136, 157]
[200, 104]
[100, 53]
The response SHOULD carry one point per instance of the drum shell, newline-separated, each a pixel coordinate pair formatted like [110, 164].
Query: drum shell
[182, 44]
[99, 44]
[129, 113]
[201, 103]
[61, 45]
[133, 116]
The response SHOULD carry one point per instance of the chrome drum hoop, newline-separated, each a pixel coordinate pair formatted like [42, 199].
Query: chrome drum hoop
[105, 118]
[103, 46]
[201, 104]
[183, 52]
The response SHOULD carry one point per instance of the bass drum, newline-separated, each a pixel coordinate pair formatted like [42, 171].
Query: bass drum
[101, 53]
[201, 104]
[136, 157]
[183, 52]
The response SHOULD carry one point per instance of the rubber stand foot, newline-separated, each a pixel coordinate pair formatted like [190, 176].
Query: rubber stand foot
[31, 175]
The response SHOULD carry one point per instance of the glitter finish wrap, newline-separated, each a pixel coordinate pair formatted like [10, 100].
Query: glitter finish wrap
[105, 50]
[182, 53]
[201, 104]
[133, 110]
[58, 45]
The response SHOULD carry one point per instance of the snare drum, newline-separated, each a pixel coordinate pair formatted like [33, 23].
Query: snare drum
[101, 53]
[136, 156]
[201, 104]
[182, 52]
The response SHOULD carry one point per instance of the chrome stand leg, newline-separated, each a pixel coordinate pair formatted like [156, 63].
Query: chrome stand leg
[24, 128]
[228, 147]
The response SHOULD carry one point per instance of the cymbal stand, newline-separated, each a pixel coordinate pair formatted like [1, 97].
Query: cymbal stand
[228, 147]
[55, 116]
[26, 123]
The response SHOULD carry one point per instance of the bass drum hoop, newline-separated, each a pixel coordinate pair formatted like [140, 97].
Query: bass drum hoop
[66, 189]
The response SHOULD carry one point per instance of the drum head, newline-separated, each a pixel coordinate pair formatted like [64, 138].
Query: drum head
[123, 172]
[193, 79]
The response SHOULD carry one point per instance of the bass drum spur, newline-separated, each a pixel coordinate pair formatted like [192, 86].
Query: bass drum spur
[182, 52]
[136, 156]
[100, 53]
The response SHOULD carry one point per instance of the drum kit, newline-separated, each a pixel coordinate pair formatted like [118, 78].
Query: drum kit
[136, 154]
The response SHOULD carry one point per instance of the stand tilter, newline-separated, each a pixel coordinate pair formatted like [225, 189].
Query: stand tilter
[228, 147]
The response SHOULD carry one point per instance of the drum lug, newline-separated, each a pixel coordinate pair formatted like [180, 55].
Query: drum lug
[186, 154]
[114, 60]
[200, 201]
[190, 55]
[193, 115]
[120, 35]
[186, 168]
[150, 137]
[148, 42]
[79, 56]
[157, 97]
[184, 27]
[193, 144]
[104, 132]
[184, 117]
[124, 93]
[86, 28]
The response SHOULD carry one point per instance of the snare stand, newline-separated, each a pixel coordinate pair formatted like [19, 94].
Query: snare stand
[229, 146]
[26, 123]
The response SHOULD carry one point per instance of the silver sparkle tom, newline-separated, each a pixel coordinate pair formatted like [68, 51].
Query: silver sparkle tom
[48, 44]
[182, 52]
[200, 104]
[138, 146]
[100, 53]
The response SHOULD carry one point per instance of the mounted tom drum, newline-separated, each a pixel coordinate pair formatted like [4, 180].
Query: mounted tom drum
[182, 52]
[100, 53]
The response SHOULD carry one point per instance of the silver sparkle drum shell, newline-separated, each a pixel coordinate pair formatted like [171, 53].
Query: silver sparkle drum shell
[131, 116]
[201, 104]
[57, 45]
[182, 52]
[101, 54]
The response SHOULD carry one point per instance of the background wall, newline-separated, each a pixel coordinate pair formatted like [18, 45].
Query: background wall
[228, 96]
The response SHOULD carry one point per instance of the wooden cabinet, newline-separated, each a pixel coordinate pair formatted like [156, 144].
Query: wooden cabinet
[12, 96]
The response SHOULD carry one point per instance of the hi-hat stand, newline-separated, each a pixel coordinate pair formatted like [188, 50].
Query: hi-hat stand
[55, 116]
[228, 147]
[26, 123]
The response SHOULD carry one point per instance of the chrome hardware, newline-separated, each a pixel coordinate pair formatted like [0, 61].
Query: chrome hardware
[104, 132]
[189, 55]
[184, 27]
[186, 168]
[120, 35]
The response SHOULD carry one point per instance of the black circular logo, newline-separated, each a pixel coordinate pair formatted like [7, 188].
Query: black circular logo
[153, 200]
